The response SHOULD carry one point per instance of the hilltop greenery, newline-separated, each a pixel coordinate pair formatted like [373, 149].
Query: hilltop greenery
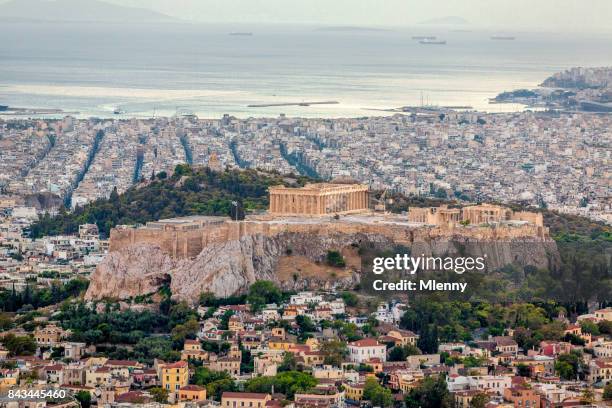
[189, 191]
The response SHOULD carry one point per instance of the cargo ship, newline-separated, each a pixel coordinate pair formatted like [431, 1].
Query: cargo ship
[432, 42]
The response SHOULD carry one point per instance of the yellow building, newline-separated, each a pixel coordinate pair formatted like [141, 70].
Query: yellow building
[228, 364]
[192, 393]
[49, 335]
[404, 337]
[353, 391]
[280, 344]
[192, 350]
[174, 376]
[8, 381]
[604, 314]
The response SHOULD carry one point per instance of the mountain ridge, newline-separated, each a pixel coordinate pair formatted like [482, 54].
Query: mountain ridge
[78, 11]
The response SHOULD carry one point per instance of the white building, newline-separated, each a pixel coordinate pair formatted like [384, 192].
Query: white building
[494, 383]
[305, 298]
[364, 350]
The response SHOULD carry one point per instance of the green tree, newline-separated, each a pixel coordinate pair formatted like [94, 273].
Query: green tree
[263, 292]
[287, 383]
[588, 396]
[400, 353]
[588, 326]
[431, 393]
[19, 345]
[335, 258]
[378, 395]
[289, 363]
[188, 330]
[305, 323]
[523, 370]
[84, 398]
[159, 394]
[334, 352]
[567, 365]
[607, 393]
[350, 299]
[479, 400]
[216, 388]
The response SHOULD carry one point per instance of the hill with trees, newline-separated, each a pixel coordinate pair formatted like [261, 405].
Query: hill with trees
[189, 191]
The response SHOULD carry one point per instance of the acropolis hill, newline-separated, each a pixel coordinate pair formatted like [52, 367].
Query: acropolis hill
[224, 256]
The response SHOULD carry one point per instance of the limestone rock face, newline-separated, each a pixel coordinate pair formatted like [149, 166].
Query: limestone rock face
[229, 267]
[137, 270]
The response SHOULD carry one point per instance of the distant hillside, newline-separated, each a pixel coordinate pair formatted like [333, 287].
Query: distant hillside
[188, 192]
[77, 11]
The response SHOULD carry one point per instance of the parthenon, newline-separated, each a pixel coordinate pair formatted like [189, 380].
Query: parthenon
[319, 199]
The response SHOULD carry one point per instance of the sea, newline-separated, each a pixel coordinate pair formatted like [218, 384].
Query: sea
[146, 70]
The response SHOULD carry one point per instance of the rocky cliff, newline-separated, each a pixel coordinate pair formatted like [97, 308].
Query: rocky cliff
[295, 260]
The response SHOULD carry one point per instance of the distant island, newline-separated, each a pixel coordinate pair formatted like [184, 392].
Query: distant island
[78, 11]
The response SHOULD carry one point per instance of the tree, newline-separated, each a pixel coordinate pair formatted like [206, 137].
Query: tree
[479, 400]
[5, 321]
[159, 394]
[428, 341]
[335, 258]
[289, 363]
[263, 292]
[607, 393]
[350, 299]
[185, 331]
[287, 383]
[523, 370]
[334, 352]
[19, 345]
[305, 323]
[378, 395]
[588, 396]
[216, 388]
[84, 398]
[208, 299]
[588, 326]
[400, 353]
[431, 393]
[567, 365]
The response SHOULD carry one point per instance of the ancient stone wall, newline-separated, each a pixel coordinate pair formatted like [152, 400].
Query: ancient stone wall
[189, 243]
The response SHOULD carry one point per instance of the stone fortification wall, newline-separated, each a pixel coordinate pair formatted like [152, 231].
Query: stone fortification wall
[189, 243]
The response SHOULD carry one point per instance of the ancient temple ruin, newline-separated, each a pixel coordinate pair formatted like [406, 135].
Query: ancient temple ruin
[319, 199]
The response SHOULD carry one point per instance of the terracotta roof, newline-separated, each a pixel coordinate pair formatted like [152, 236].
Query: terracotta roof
[192, 387]
[244, 395]
[178, 364]
[124, 363]
[365, 343]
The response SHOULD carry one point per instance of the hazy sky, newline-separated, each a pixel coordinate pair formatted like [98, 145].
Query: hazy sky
[549, 15]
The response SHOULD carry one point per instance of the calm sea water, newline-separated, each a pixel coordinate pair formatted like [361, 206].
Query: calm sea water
[143, 69]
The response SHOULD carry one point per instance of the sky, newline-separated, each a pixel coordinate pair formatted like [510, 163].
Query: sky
[538, 15]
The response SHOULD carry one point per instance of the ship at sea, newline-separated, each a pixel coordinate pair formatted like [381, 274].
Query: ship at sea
[503, 37]
[243, 34]
[433, 42]
[3, 108]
